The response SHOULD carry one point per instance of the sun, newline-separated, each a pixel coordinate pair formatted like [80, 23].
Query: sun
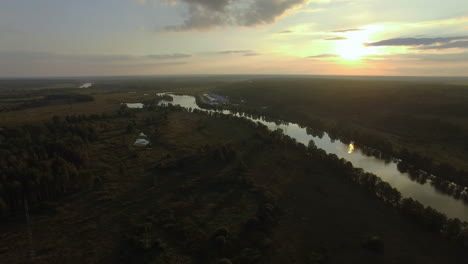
[353, 48]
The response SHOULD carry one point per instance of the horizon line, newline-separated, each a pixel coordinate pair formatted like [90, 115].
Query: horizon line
[220, 75]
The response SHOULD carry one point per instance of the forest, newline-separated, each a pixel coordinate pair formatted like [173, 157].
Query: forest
[422, 124]
[210, 188]
[43, 162]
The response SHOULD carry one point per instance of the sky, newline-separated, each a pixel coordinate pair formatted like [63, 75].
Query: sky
[166, 37]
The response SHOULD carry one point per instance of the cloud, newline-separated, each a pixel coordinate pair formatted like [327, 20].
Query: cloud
[169, 56]
[234, 51]
[451, 45]
[266, 11]
[428, 57]
[251, 54]
[85, 58]
[207, 14]
[217, 5]
[48, 56]
[346, 30]
[327, 55]
[450, 57]
[160, 2]
[415, 41]
[55, 64]
[336, 38]
[285, 32]
[248, 53]
[158, 64]
[10, 30]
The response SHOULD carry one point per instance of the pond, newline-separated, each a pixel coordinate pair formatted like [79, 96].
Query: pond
[425, 193]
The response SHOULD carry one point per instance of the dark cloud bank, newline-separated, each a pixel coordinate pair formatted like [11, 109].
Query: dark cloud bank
[425, 43]
[346, 30]
[116, 58]
[327, 55]
[336, 38]
[206, 14]
[248, 53]
[169, 56]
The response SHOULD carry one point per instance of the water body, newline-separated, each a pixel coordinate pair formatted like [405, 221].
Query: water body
[426, 194]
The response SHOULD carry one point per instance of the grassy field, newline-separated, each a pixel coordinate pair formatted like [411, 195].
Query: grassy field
[103, 103]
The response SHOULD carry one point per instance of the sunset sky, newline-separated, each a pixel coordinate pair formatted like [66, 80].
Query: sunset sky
[160, 37]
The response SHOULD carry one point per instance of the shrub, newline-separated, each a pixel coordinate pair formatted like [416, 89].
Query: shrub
[249, 255]
[220, 241]
[224, 261]
[374, 243]
[3, 207]
[222, 231]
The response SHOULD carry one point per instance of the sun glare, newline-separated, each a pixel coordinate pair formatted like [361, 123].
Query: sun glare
[353, 47]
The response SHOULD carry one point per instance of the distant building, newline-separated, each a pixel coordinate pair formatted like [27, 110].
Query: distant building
[215, 99]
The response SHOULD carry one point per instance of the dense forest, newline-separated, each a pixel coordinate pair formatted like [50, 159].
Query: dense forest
[349, 111]
[44, 100]
[43, 162]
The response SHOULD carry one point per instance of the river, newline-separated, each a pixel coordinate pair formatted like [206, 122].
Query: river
[425, 193]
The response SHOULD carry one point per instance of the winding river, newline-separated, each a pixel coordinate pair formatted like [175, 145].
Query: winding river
[425, 193]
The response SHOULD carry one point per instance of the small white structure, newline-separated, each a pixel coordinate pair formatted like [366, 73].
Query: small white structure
[134, 105]
[86, 85]
[141, 141]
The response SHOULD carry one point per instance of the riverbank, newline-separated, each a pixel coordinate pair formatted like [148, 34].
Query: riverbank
[424, 118]
[387, 170]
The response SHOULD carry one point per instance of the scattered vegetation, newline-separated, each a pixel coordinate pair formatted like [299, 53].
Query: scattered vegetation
[211, 188]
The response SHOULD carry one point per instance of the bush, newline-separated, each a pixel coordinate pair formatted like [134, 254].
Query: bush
[222, 231]
[374, 243]
[3, 207]
[224, 261]
[143, 238]
[220, 241]
[317, 257]
[249, 255]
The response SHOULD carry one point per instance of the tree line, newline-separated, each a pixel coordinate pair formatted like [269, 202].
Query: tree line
[43, 162]
[427, 217]
[52, 99]
[419, 165]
